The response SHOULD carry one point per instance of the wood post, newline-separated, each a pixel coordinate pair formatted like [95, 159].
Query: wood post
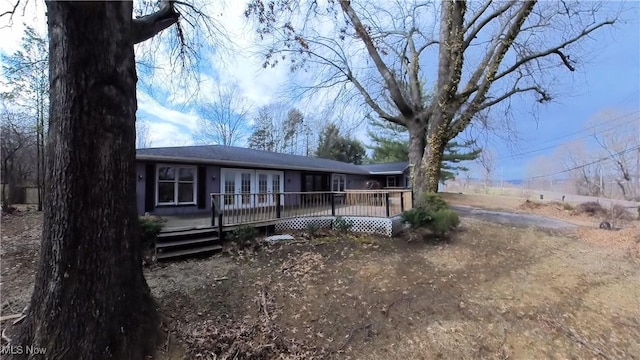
[333, 204]
[386, 202]
[278, 206]
[402, 201]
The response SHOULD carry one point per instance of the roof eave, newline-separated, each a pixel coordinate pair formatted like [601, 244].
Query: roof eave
[193, 160]
[385, 172]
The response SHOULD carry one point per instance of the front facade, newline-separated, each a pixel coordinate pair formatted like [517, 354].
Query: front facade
[179, 181]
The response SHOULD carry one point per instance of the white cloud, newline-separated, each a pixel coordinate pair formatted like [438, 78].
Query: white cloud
[164, 134]
[188, 121]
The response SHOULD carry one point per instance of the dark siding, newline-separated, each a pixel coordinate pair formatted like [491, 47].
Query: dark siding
[150, 187]
[202, 187]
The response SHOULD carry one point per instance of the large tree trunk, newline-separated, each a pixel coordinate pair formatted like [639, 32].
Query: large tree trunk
[432, 157]
[90, 299]
[416, 150]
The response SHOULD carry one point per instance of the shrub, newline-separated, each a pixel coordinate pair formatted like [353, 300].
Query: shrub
[591, 208]
[432, 213]
[443, 221]
[341, 224]
[432, 202]
[619, 212]
[243, 234]
[416, 217]
[312, 229]
[150, 227]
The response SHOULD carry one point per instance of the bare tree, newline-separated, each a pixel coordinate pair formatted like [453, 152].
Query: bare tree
[90, 298]
[585, 168]
[223, 120]
[27, 75]
[620, 145]
[487, 53]
[278, 128]
[540, 172]
[487, 162]
[16, 139]
[143, 134]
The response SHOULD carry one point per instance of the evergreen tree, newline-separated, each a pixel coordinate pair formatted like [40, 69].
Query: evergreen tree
[391, 144]
[333, 145]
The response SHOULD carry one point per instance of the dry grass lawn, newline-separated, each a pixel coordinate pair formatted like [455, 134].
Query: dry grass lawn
[490, 292]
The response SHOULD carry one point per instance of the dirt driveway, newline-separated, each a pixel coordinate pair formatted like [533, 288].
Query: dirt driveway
[491, 292]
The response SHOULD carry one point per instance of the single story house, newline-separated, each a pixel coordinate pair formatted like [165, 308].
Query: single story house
[179, 180]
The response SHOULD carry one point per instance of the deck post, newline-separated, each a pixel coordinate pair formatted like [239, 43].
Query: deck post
[220, 233]
[213, 211]
[278, 206]
[402, 201]
[386, 202]
[333, 204]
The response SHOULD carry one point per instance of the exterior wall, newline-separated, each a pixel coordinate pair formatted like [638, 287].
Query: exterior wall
[293, 181]
[212, 185]
[140, 187]
[406, 178]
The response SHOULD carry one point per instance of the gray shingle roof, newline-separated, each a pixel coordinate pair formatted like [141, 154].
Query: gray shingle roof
[237, 156]
[386, 168]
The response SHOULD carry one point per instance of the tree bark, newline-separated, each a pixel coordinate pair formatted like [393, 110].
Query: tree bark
[91, 300]
[417, 143]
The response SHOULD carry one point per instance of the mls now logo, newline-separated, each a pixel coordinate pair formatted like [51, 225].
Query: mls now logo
[22, 350]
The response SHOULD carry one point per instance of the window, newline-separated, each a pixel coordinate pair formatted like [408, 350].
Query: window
[176, 185]
[338, 182]
[391, 181]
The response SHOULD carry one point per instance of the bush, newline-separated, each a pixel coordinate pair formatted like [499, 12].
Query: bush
[150, 227]
[432, 213]
[591, 208]
[417, 217]
[243, 234]
[312, 229]
[341, 224]
[432, 202]
[621, 213]
[443, 221]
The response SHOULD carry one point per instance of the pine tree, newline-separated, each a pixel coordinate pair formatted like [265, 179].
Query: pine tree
[391, 144]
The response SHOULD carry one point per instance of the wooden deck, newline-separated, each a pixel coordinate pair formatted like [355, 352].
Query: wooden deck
[361, 203]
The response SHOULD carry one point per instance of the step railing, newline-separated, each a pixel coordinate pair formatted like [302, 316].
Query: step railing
[247, 208]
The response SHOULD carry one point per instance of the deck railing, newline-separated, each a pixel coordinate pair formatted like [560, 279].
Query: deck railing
[247, 208]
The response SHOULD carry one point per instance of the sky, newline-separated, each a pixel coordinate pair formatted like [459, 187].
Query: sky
[607, 80]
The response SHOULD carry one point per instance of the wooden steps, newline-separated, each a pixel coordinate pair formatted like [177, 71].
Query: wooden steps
[174, 243]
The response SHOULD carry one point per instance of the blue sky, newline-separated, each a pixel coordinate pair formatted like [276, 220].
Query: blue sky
[609, 80]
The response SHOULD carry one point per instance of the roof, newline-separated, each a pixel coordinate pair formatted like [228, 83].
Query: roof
[238, 156]
[394, 168]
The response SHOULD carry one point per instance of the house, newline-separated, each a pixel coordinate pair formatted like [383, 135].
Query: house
[179, 180]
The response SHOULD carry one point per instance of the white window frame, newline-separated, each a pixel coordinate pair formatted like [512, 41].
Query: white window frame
[341, 178]
[394, 181]
[176, 181]
[225, 172]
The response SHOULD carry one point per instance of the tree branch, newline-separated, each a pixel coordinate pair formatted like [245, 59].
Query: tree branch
[12, 11]
[554, 50]
[472, 35]
[565, 60]
[387, 75]
[146, 27]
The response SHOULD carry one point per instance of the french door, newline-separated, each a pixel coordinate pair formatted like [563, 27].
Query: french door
[243, 188]
[269, 184]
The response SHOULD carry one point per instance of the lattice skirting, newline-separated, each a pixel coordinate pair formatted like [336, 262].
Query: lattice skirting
[373, 225]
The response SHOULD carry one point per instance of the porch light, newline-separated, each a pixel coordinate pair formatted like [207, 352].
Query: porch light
[139, 177]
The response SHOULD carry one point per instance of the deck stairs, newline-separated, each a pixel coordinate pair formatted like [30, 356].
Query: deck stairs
[174, 243]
